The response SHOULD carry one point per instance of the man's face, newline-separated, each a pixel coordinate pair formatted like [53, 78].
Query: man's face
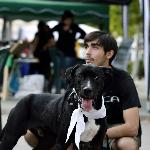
[94, 54]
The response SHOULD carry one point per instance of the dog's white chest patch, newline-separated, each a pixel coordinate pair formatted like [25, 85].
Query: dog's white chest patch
[90, 131]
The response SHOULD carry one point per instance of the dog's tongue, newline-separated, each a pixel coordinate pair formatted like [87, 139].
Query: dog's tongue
[86, 104]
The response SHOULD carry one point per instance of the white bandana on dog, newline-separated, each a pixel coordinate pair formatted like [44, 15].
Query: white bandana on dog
[78, 120]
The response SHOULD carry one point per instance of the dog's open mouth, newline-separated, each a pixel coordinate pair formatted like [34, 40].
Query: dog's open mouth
[86, 104]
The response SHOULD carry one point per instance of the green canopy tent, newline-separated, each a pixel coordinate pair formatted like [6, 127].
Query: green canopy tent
[48, 10]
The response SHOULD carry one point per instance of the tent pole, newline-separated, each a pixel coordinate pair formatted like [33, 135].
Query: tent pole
[6, 32]
[146, 24]
[125, 21]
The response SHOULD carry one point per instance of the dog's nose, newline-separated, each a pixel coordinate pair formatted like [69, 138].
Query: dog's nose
[87, 91]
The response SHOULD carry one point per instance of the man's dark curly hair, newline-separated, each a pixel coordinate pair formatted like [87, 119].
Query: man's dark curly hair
[105, 40]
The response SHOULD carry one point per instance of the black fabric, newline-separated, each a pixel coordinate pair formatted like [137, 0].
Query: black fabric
[119, 2]
[3, 58]
[121, 94]
[43, 38]
[42, 54]
[66, 40]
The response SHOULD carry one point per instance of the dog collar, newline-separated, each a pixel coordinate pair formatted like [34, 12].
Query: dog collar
[78, 120]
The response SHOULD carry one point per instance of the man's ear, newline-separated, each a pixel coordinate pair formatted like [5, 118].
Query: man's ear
[69, 74]
[109, 54]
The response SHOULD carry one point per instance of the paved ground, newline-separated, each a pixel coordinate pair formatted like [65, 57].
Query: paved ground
[145, 118]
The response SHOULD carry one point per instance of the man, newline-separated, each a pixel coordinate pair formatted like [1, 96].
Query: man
[121, 98]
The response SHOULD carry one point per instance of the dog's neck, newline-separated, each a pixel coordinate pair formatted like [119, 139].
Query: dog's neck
[98, 102]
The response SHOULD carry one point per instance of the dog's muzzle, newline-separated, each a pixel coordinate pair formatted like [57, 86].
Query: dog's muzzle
[85, 98]
[87, 104]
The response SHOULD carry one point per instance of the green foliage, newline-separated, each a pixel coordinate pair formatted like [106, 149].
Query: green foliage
[130, 67]
[115, 20]
[134, 19]
[140, 72]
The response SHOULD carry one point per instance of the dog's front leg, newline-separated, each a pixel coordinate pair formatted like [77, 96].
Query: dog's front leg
[8, 142]
[15, 127]
[10, 134]
[60, 141]
[97, 143]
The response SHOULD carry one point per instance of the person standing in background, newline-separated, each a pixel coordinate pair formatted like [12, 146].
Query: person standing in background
[41, 44]
[67, 30]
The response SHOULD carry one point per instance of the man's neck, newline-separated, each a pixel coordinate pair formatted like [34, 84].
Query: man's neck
[107, 66]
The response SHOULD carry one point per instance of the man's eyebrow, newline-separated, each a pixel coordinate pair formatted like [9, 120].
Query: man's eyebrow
[95, 44]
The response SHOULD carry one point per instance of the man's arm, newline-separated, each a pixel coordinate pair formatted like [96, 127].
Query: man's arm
[129, 128]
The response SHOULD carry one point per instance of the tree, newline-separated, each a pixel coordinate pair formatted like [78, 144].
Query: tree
[135, 20]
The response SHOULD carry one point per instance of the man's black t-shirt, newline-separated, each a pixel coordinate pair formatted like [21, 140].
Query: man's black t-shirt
[120, 95]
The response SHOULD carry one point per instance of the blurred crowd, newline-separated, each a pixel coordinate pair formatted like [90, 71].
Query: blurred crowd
[53, 56]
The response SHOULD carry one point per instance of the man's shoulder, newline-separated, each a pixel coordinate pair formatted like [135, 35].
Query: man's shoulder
[120, 73]
[123, 81]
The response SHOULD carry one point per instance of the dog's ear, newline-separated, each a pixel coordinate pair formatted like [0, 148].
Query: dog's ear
[69, 74]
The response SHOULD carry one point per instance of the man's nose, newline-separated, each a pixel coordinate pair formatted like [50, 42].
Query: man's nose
[88, 50]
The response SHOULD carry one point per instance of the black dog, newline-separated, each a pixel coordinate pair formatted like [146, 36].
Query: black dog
[52, 112]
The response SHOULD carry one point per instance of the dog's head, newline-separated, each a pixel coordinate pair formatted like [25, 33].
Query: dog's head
[89, 82]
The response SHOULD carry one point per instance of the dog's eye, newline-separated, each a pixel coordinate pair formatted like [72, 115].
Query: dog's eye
[97, 77]
[99, 80]
[79, 76]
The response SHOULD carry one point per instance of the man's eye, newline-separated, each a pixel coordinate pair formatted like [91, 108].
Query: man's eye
[85, 46]
[95, 47]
